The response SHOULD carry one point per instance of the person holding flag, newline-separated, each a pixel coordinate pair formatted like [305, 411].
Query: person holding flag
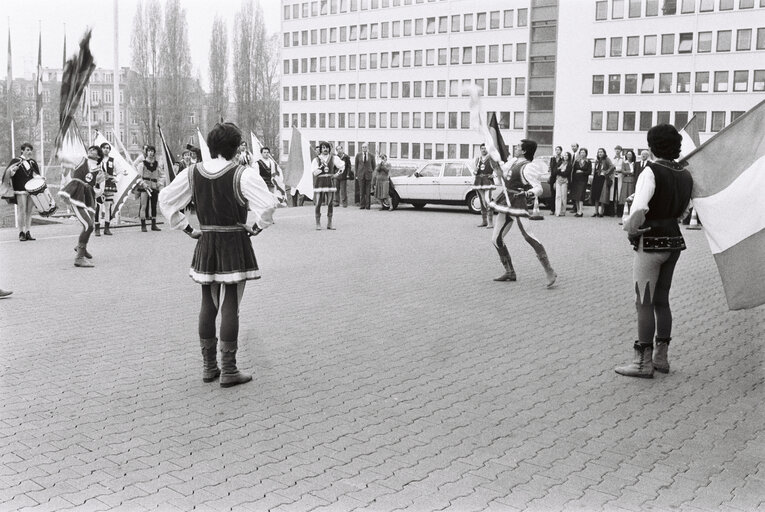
[110, 188]
[662, 196]
[520, 181]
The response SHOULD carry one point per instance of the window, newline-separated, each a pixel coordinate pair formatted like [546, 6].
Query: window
[480, 54]
[743, 39]
[707, 6]
[616, 47]
[667, 44]
[518, 120]
[633, 46]
[520, 86]
[701, 121]
[407, 27]
[628, 121]
[686, 43]
[702, 81]
[735, 114]
[520, 52]
[431, 26]
[617, 9]
[721, 81]
[761, 38]
[705, 42]
[688, 6]
[652, 8]
[465, 120]
[494, 53]
[614, 84]
[443, 22]
[740, 81]
[681, 119]
[467, 55]
[492, 87]
[683, 82]
[601, 10]
[440, 120]
[416, 119]
[597, 84]
[417, 86]
[508, 18]
[758, 83]
[596, 120]
[455, 23]
[419, 26]
[745, 4]
[480, 21]
[718, 121]
[452, 120]
[600, 48]
[430, 57]
[646, 120]
[523, 15]
[442, 56]
[662, 117]
[394, 119]
[506, 85]
[467, 23]
[630, 84]
[612, 121]
[665, 82]
[647, 83]
[726, 5]
[649, 45]
[723, 40]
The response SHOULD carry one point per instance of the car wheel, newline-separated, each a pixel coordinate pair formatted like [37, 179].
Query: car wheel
[473, 202]
[394, 200]
[418, 205]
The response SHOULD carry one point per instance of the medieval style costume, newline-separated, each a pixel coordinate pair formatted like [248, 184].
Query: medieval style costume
[148, 188]
[19, 171]
[110, 188]
[325, 169]
[483, 184]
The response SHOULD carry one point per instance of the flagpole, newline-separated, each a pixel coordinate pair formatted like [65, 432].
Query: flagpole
[39, 84]
[116, 82]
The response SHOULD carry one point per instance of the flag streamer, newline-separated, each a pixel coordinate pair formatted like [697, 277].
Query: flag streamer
[169, 160]
[76, 75]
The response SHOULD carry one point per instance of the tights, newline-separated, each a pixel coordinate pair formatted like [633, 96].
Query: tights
[324, 197]
[652, 274]
[229, 310]
[148, 201]
[502, 227]
[86, 219]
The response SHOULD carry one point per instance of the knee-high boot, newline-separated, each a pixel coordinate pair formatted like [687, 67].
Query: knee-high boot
[318, 222]
[98, 229]
[329, 222]
[210, 370]
[483, 218]
[230, 375]
[641, 365]
[545, 261]
[79, 260]
[660, 360]
[490, 218]
[504, 256]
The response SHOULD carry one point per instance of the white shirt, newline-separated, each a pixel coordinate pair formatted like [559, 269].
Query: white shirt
[339, 164]
[177, 195]
[531, 174]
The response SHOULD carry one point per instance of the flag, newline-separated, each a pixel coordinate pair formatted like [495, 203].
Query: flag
[203, 146]
[298, 176]
[77, 72]
[492, 137]
[124, 173]
[690, 133]
[169, 160]
[9, 90]
[728, 184]
[38, 92]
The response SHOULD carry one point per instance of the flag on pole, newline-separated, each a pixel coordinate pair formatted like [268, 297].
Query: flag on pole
[298, 176]
[76, 75]
[169, 160]
[728, 185]
[492, 137]
[203, 146]
[71, 153]
[125, 174]
[39, 86]
[690, 133]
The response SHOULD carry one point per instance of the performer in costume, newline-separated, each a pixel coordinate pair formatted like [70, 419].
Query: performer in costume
[110, 188]
[245, 157]
[148, 187]
[21, 170]
[223, 261]
[81, 194]
[267, 168]
[520, 181]
[483, 184]
[662, 197]
[325, 168]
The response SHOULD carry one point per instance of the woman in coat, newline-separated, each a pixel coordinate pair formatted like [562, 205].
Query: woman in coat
[601, 182]
[562, 177]
[628, 176]
[580, 174]
[381, 184]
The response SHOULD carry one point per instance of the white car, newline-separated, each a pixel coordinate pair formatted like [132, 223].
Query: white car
[437, 182]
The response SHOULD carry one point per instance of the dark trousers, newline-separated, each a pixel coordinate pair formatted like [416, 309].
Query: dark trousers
[149, 205]
[365, 188]
[341, 196]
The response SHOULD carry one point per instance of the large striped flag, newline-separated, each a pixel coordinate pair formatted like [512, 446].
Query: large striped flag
[490, 134]
[169, 160]
[690, 133]
[728, 187]
[203, 146]
[124, 174]
[76, 75]
[298, 176]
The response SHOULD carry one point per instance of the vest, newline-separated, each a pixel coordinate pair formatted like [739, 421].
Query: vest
[483, 166]
[670, 199]
[265, 172]
[515, 181]
[107, 164]
[151, 173]
[218, 198]
[86, 174]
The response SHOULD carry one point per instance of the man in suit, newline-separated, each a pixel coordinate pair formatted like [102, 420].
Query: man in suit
[342, 181]
[365, 167]
[642, 163]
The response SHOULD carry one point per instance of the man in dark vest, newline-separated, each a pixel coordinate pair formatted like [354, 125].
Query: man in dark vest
[365, 167]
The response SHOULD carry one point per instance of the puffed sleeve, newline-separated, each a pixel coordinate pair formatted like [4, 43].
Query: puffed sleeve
[339, 163]
[315, 167]
[644, 189]
[260, 200]
[533, 173]
[174, 198]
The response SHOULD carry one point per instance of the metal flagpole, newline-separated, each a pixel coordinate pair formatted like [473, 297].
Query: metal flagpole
[40, 91]
[116, 83]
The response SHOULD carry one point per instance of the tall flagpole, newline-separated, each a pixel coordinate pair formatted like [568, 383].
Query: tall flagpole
[40, 92]
[116, 84]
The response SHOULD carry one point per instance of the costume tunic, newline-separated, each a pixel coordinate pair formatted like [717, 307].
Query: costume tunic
[484, 177]
[110, 184]
[24, 173]
[520, 177]
[80, 191]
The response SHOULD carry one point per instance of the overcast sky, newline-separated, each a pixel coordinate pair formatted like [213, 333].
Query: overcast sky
[26, 16]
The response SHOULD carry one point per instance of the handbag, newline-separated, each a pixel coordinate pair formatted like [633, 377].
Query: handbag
[350, 175]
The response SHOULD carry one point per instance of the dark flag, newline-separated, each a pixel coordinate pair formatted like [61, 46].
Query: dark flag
[496, 138]
[169, 160]
[77, 71]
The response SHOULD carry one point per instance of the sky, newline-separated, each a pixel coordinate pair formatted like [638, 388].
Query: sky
[26, 17]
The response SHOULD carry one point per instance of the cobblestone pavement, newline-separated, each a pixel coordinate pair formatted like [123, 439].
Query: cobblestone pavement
[390, 373]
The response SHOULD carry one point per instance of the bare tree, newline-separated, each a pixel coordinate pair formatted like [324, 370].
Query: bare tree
[249, 41]
[176, 75]
[219, 68]
[143, 86]
[268, 77]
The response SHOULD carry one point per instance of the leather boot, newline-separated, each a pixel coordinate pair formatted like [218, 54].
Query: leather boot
[545, 261]
[329, 223]
[483, 219]
[79, 260]
[143, 225]
[230, 375]
[106, 229]
[154, 225]
[490, 218]
[210, 370]
[28, 236]
[318, 222]
[504, 256]
[660, 361]
[85, 252]
[642, 364]
[98, 229]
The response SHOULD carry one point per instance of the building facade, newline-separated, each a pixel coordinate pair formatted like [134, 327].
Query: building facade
[598, 72]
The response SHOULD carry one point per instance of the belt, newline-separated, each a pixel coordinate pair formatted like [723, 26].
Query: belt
[220, 229]
[150, 179]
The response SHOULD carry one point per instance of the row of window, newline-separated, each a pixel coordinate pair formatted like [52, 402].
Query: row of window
[407, 58]
[405, 150]
[682, 82]
[416, 89]
[644, 120]
[492, 20]
[634, 8]
[630, 45]
[395, 120]
[325, 7]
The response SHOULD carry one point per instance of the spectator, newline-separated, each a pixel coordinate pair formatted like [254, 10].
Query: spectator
[601, 182]
[365, 165]
[628, 177]
[642, 163]
[617, 178]
[580, 175]
[562, 179]
[381, 184]
[555, 163]
[342, 181]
